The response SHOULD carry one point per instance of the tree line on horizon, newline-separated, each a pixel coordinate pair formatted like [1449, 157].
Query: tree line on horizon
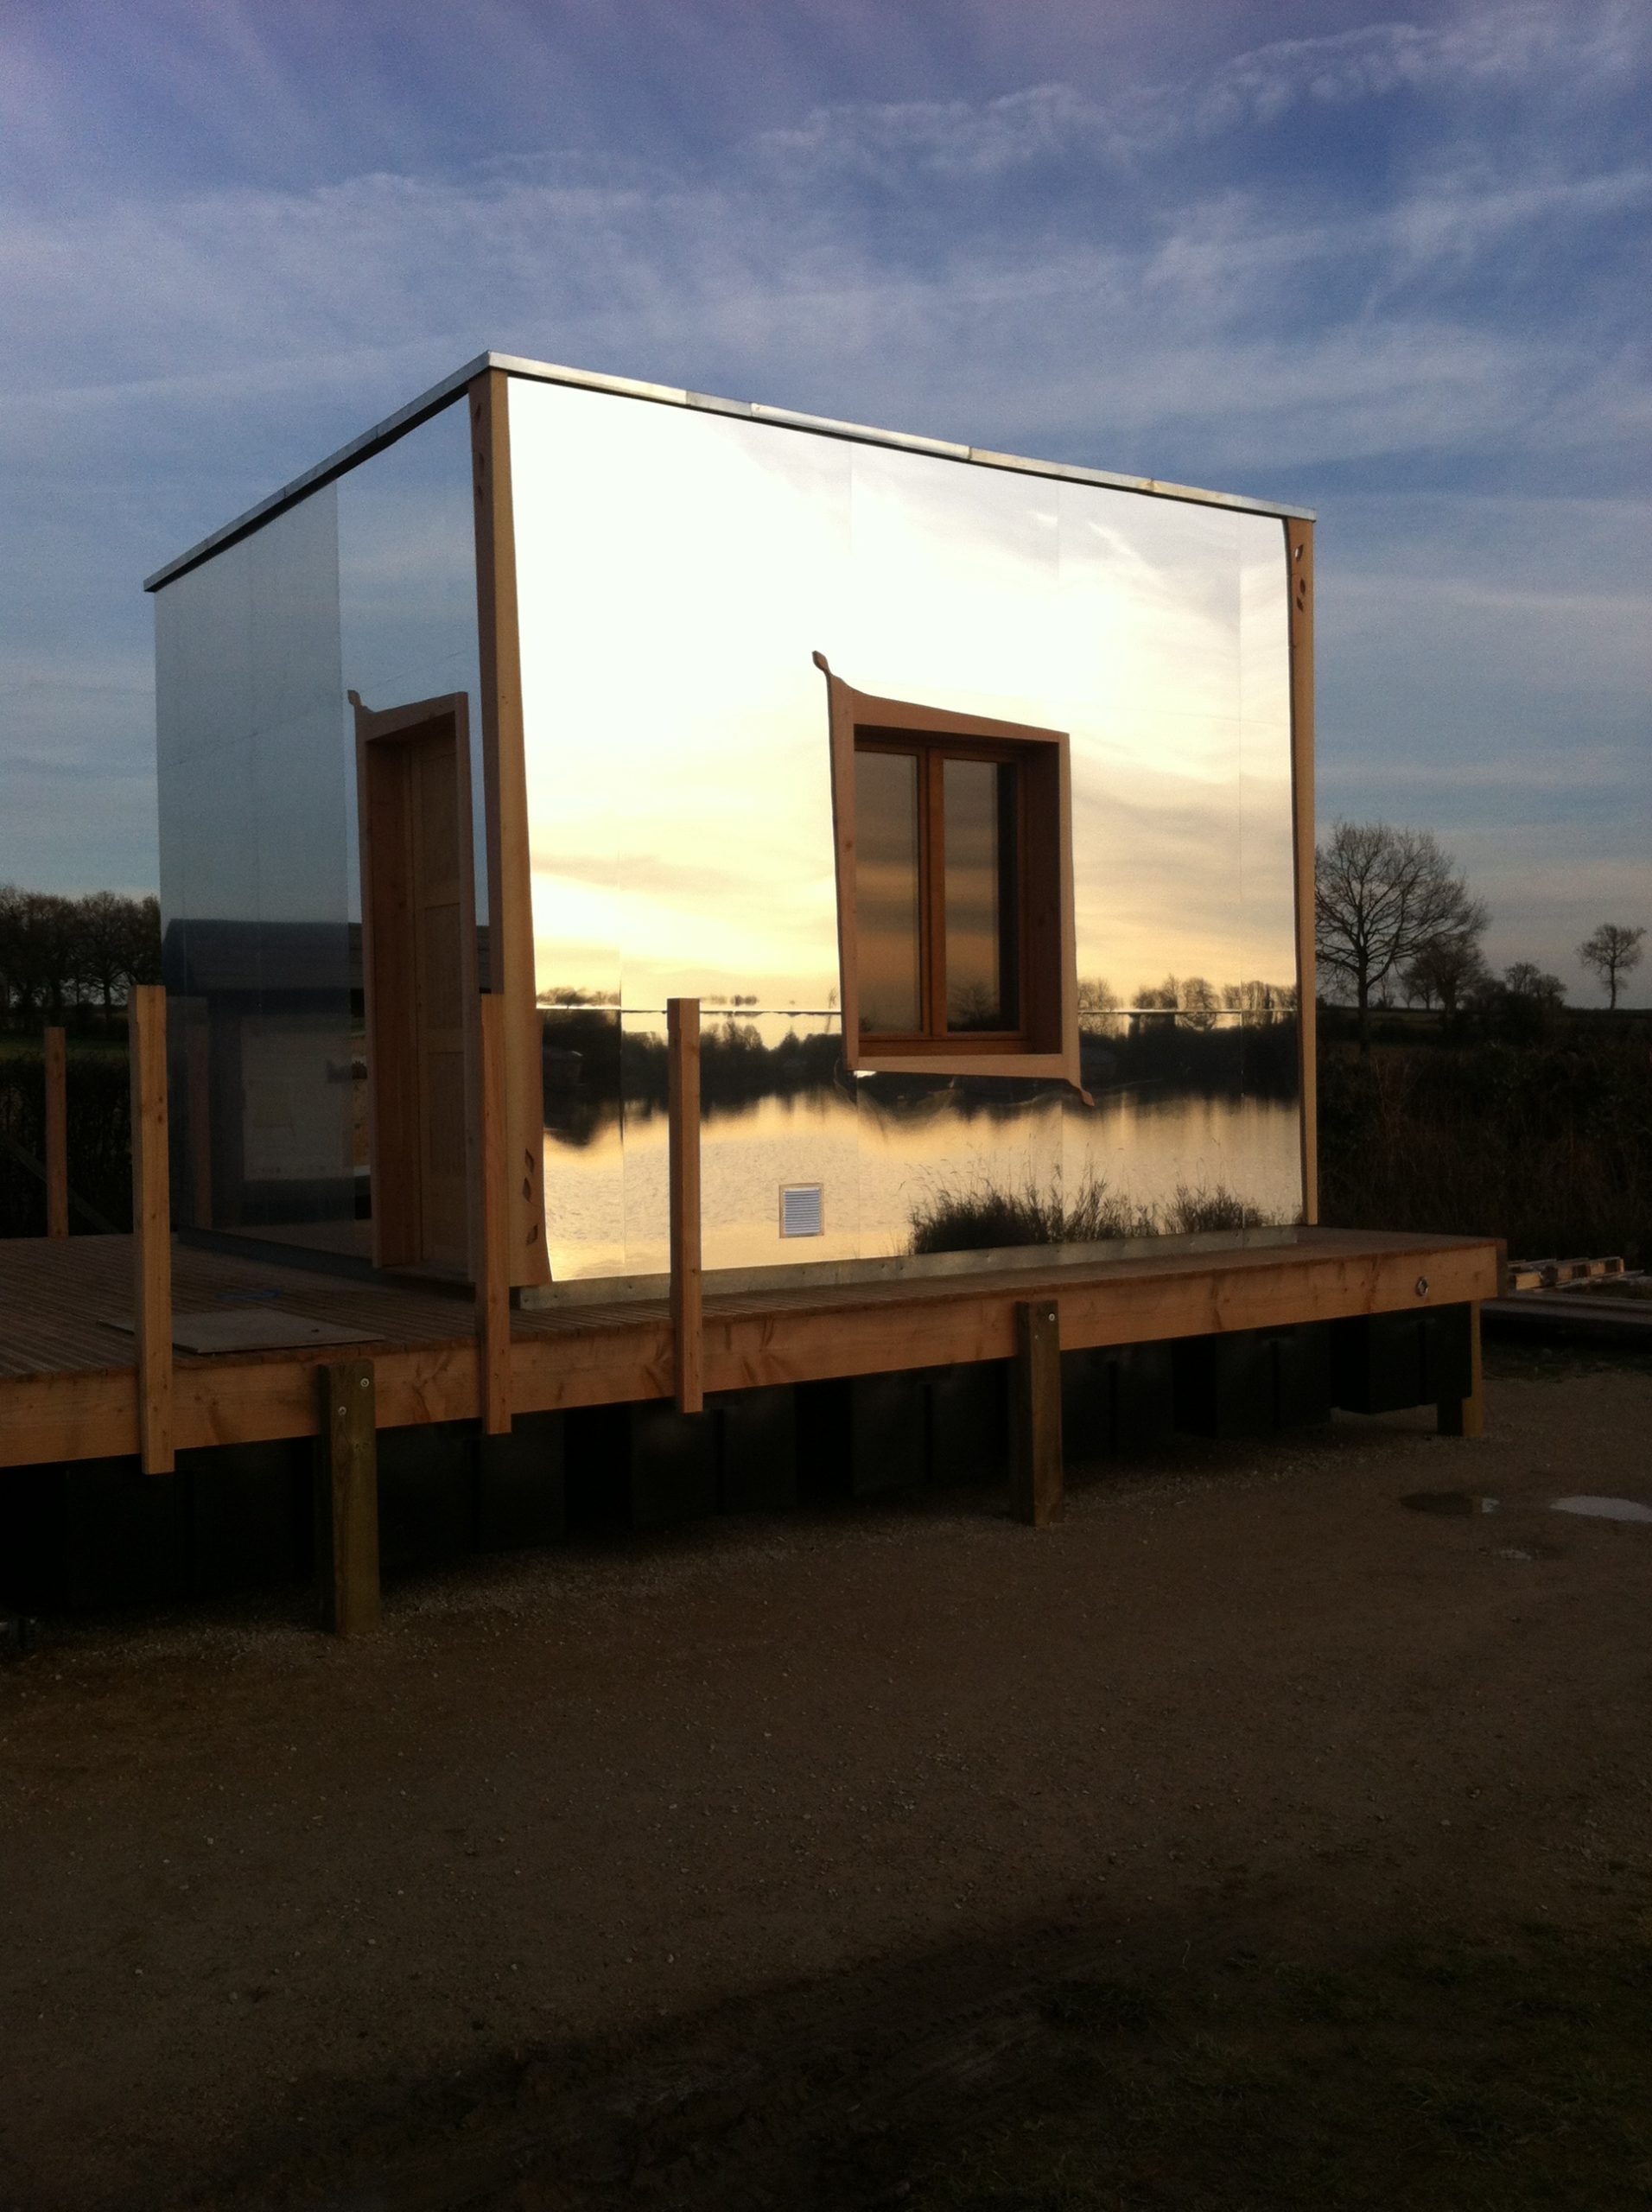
[1392, 910]
[58, 954]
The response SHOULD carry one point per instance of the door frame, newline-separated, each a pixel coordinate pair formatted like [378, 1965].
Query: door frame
[393, 1127]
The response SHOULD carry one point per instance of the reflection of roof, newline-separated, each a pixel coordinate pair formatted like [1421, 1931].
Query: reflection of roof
[443, 394]
[201, 958]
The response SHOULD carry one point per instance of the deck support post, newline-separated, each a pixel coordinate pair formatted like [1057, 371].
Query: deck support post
[57, 1135]
[146, 1015]
[1466, 1416]
[493, 1262]
[1036, 1471]
[346, 1499]
[688, 1322]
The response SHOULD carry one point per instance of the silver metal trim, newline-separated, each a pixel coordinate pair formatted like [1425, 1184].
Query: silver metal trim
[443, 394]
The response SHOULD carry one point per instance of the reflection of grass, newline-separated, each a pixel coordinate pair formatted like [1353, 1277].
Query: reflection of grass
[976, 1214]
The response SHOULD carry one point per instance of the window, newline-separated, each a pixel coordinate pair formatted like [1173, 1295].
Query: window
[937, 890]
[954, 889]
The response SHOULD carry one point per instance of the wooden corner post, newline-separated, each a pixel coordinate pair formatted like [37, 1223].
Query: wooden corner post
[1466, 1416]
[1036, 1474]
[509, 871]
[346, 1499]
[146, 1017]
[1299, 561]
[688, 1324]
[57, 1134]
[492, 1265]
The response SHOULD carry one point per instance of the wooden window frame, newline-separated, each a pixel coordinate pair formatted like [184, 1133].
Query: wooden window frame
[1046, 1042]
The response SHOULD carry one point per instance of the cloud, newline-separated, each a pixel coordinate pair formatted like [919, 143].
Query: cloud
[1398, 255]
[1491, 50]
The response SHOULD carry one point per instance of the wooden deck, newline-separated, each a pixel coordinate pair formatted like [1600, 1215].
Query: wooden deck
[68, 1381]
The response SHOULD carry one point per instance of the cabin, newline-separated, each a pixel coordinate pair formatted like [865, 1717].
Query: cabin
[969, 796]
[740, 910]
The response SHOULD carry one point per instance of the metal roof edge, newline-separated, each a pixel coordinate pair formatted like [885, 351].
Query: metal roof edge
[441, 395]
[382, 433]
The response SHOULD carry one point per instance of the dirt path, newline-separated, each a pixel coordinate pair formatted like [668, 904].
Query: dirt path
[675, 1856]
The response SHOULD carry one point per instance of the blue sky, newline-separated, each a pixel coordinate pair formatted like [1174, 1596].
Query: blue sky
[1393, 266]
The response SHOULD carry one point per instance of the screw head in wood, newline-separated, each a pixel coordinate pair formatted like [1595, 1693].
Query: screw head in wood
[1422, 1286]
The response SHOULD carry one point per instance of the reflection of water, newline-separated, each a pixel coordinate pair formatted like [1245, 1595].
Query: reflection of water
[606, 1199]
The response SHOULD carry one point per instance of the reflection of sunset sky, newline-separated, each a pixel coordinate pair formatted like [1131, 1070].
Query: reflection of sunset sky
[677, 569]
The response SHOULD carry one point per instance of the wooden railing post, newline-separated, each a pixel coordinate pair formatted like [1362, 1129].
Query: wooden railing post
[146, 1015]
[57, 1134]
[493, 1258]
[688, 1325]
[346, 1499]
[1036, 1471]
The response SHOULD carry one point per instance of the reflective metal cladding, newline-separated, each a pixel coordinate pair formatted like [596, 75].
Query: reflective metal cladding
[366, 585]
[678, 568]
[676, 572]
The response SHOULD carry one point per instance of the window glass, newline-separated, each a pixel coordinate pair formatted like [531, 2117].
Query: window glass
[887, 892]
[979, 803]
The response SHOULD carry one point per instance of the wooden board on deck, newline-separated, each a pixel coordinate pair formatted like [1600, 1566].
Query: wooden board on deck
[254, 1330]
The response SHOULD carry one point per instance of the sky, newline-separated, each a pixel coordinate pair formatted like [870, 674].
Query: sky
[1390, 266]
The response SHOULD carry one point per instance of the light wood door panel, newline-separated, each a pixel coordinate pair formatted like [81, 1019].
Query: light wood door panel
[418, 912]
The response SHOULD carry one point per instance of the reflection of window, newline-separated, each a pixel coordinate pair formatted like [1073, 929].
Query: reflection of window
[954, 889]
[939, 887]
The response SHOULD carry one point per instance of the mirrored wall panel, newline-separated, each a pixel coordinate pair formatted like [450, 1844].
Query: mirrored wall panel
[678, 571]
[366, 586]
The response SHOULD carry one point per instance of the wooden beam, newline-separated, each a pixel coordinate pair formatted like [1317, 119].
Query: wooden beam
[688, 1325]
[146, 1015]
[492, 1268]
[346, 1496]
[1036, 1471]
[509, 871]
[57, 1134]
[1299, 561]
[1466, 1416]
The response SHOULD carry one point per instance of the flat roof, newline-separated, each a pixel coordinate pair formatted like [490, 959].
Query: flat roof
[441, 395]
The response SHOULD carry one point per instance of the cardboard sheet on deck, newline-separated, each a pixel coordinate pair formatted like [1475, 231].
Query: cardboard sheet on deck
[258, 1330]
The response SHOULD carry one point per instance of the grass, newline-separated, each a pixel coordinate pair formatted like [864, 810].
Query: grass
[976, 1214]
[1548, 1145]
[1443, 2074]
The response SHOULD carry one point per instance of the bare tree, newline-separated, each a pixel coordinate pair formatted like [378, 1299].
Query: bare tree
[1446, 970]
[53, 950]
[1382, 895]
[1526, 980]
[1612, 952]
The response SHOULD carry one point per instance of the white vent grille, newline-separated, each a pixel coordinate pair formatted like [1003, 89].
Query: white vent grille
[802, 1210]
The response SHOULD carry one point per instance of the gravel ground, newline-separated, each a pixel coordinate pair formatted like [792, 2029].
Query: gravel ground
[662, 1853]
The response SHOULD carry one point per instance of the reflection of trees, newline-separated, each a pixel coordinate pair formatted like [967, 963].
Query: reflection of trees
[594, 1066]
[597, 1064]
[1229, 1054]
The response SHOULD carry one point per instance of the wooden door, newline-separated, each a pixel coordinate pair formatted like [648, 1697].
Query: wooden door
[438, 996]
[419, 945]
